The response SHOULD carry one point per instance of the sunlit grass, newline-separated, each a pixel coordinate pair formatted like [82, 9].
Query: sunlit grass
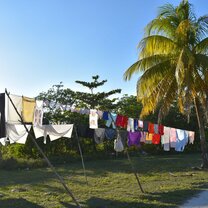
[167, 180]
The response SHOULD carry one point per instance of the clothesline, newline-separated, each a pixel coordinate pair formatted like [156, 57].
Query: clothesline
[138, 131]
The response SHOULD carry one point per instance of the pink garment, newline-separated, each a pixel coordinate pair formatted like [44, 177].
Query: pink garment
[191, 135]
[140, 123]
[173, 137]
[143, 136]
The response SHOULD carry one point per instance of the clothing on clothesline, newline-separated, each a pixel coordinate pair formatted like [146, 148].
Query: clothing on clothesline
[12, 116]
[105, 115]
[191, 135]
[182, 140]
[134, 138]
[145, 126]
[111, 120]
[38, 113]
[99, 135]
[93, 119]
[110, 133]
[28, 107]
[173, 137]
[156, 139]
[121, 121]
[123, 135]
[151, 128]
[17, 133]
[130, 125]
[148, 139]
[53, 131]
[2, 116]
[165, 139]
[82, 130]
[156, 130]
[118, 144]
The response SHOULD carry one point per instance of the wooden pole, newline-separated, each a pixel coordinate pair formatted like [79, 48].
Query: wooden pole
[129, 159]
[80, 150]
[44, 156]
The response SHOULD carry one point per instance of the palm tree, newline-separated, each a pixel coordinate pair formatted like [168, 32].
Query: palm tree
[173, 60]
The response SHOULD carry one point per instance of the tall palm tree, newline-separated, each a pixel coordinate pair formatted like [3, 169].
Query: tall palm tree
[173, 60]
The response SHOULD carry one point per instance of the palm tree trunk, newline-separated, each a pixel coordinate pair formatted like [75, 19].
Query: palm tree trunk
[199, 114]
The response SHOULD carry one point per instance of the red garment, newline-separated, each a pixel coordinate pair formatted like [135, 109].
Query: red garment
[121, 121]
[151, 128]
[161, 129]
[156, 139]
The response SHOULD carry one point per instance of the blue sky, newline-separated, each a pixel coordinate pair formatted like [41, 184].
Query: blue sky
[44, 42]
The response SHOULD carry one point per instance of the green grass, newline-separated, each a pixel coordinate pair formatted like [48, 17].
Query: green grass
[168, 181]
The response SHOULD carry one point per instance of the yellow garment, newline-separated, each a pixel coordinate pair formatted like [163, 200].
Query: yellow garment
[148, 139]
[28, 107]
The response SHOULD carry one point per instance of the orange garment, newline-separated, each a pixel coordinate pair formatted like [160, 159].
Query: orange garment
[28, 107]
[151, 128]
[156, 139]
[148, 139]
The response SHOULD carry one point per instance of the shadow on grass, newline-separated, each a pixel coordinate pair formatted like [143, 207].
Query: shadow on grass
[107, 203]
[18, 203]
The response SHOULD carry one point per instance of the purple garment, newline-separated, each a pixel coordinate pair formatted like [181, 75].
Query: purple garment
[134, 138]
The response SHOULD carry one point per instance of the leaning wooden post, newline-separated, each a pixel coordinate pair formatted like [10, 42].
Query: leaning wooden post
[80, 150]
[44, 156]
[129, 159]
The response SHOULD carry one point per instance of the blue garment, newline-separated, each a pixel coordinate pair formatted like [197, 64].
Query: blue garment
[105, 115]
[110, 133]
[181, 140]
[111, 120]
[135, 124]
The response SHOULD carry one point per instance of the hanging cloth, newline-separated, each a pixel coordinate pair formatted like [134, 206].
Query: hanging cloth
[28, 107]
[165, 139]
[54, 131]
[130, 125]
[173, 137]
[191, 136]
[110, 133]
[17, 133]
[99, 135]
[182, 140]
[2, 116]
[111, 120]
[93, 119]
[12, 116]
[118, 144]
[38, 113]
[134, 138]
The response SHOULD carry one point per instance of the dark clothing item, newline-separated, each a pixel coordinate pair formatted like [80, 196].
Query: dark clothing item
[134, 138]
[110, 133]
[2, 116]
[82, 130]
[145, 126]
[99, 135]
[105, 115]
[136, 124]
[123, 134]
[90, 133]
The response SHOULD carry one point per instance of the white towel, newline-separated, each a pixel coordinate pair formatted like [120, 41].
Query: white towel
[12, 116]
[17, 133]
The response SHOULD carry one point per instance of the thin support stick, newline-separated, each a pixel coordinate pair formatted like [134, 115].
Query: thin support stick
[129, 159]
[80, 151]
[44, 156]
[134, 171]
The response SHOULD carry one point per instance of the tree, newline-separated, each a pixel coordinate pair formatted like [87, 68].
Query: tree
[173, 59]
[99, 100]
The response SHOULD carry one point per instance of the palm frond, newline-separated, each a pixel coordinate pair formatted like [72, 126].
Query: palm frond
[202, 46]
[156, 44]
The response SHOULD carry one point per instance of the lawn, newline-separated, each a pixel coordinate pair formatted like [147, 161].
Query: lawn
[168, 180]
